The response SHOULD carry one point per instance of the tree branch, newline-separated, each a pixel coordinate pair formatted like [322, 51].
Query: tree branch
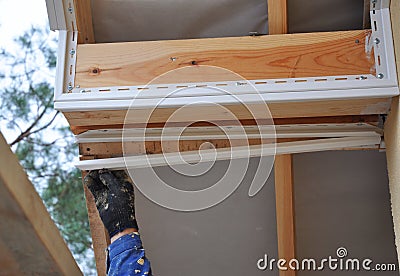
[46, 125]
[29, 131]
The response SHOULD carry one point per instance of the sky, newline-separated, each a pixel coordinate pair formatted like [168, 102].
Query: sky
[16, 16]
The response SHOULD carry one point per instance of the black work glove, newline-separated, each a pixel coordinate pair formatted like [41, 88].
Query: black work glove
[115, 199]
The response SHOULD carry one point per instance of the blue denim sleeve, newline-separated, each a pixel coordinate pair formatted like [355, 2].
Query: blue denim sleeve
[126, 257]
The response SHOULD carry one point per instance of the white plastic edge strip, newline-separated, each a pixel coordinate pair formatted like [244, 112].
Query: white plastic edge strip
[176, 158]
[226, 99]
[227, 132]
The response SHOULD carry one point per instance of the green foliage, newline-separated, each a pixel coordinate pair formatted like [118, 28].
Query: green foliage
[40, 137]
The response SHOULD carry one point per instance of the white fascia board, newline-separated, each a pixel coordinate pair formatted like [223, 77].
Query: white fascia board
[176, 158]
[90, 105]
[234, 88]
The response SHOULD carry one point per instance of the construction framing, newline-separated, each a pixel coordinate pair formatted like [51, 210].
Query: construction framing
[86, 82]
[298, 76]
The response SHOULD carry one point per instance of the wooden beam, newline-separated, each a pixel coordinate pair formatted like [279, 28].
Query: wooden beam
[277, 17]
[370, 119]
[277, 24]
[204, 113]
[260, 57]
[392, 133]
[99, 234]
[285, 210]
[29, 239]
[84, 22]
[366, 16]
[114, 149]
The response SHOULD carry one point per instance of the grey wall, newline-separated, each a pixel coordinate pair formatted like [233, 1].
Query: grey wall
[127, 20]
[324, 15]
[226, 239]
[341, 199]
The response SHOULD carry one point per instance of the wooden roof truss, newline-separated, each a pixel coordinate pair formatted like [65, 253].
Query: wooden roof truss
[324, 91]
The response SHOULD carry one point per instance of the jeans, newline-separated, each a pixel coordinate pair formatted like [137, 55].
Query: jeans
[126, 257]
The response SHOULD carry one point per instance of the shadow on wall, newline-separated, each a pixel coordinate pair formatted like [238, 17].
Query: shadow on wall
[341, 199]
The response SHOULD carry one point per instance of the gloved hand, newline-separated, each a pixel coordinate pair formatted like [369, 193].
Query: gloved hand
[115, 200]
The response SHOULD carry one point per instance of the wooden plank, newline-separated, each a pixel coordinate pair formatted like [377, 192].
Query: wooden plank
[213, 113]
[366, 16]
[392, 133]
[29, 238]
[370, 119]
[277, 24]
[285, 209]
[277, 17]
[260, 57]
[9, 265]
[99, 234]
[114, 149]
[84, 22]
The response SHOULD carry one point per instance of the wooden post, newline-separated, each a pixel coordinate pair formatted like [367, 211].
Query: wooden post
[277, 17]
[100, 239]
[277, 24]
[366, 18]
[83, 12]
[99, 234]
[285, 210]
